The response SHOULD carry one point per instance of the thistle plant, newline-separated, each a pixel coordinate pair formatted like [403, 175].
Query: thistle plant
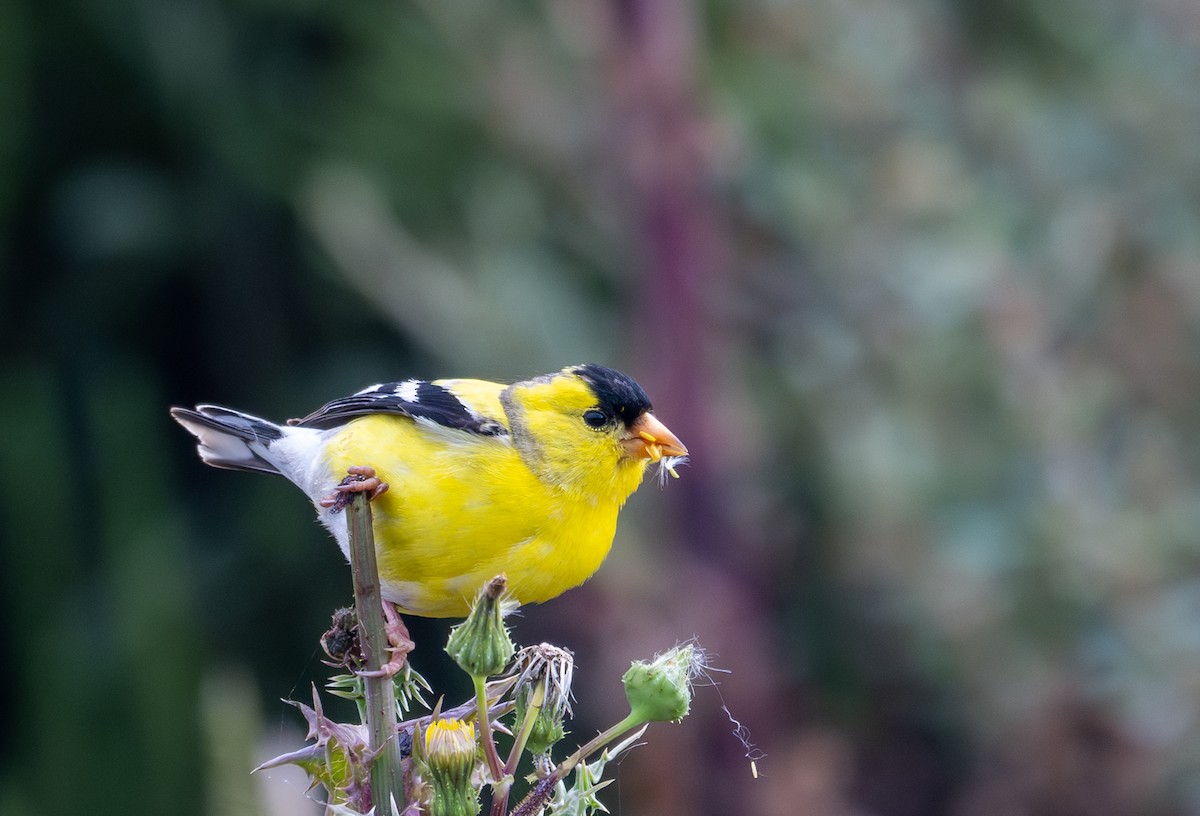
[526, 692]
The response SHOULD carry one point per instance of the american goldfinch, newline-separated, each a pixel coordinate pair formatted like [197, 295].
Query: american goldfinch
[524, 479]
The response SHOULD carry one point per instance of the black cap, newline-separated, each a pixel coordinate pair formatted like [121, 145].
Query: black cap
[617, 394]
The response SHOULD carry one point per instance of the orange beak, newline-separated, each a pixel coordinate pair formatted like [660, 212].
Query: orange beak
[647, 438]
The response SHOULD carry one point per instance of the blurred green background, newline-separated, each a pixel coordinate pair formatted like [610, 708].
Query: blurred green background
[917, 282]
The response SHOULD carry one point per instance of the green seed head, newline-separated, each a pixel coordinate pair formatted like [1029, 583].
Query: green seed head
[661, 690]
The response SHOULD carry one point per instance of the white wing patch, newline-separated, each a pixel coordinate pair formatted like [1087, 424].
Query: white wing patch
[407, 390]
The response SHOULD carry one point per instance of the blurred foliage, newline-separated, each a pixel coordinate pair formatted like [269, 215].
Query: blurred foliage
[917, 282]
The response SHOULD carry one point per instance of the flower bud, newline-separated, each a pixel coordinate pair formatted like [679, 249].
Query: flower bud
[480, 645]
[661, 690]
[446, 753]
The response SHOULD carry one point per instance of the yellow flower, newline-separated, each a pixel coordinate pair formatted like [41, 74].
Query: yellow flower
[449, 740]
[447, 756]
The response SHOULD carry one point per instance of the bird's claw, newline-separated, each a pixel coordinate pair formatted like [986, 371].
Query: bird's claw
[399, 644]
[359, 479]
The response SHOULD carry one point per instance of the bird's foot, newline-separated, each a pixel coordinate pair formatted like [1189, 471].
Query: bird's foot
[359, 479]
[399, 644]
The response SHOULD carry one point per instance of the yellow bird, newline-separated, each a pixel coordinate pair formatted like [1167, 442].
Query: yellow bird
[525, 479]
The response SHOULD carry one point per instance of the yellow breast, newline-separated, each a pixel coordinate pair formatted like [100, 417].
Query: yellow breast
[462, 509]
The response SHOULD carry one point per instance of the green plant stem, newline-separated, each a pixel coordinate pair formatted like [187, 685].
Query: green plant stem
[484, 721]
[544, 789]
[537, 699]
[380, 698]
[501, 790]
[595, 744]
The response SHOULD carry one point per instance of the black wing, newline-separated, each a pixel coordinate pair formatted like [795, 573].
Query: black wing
[418, 399]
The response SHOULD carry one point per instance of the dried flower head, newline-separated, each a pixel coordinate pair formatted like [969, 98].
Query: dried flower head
[544, 674]
[550, 665]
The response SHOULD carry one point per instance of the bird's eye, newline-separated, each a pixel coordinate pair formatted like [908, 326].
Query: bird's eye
[595, 418]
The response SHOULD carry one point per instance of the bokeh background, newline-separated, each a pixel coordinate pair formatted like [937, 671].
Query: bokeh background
[918, 282]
